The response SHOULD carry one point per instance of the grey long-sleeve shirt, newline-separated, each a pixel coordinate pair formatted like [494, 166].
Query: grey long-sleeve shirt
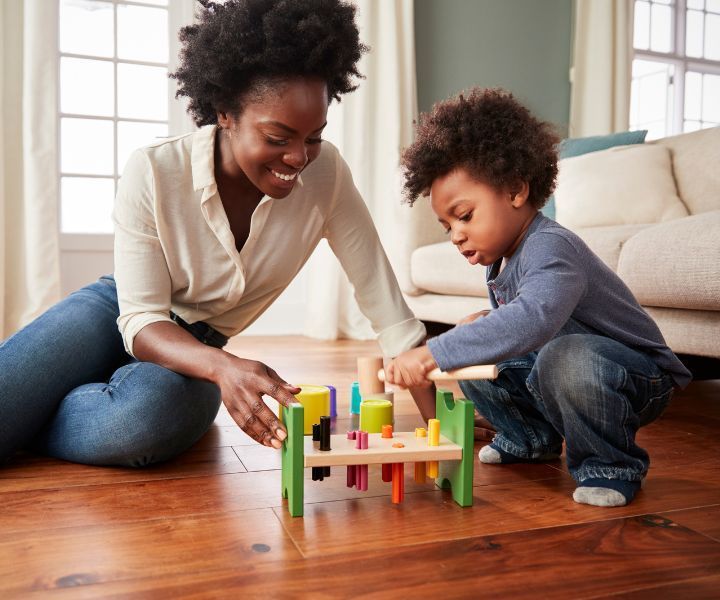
[553, 278]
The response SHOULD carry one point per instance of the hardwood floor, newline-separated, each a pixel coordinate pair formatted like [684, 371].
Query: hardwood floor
[212, 524]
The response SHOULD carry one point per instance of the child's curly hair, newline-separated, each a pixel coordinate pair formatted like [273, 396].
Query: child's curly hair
[491, 135]
[239, 47]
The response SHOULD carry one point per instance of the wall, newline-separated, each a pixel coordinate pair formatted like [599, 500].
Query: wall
[521, 45]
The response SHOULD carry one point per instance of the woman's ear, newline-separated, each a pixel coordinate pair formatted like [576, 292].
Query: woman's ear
[520, 196]
[223, 119]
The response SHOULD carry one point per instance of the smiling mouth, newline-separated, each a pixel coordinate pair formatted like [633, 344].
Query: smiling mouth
[284, 176]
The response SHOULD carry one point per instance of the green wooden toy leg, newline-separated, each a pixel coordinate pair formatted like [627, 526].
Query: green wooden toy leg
[456, 424]
[293, 459]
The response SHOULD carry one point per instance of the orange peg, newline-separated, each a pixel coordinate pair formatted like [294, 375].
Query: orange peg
[419, 472]
[398, 483]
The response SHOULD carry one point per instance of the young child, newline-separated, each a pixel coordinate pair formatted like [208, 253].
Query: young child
[578, 358]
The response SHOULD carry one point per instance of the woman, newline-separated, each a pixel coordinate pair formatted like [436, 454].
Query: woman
[209, 229]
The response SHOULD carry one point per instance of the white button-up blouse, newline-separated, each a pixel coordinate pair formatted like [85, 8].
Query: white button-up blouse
[174, 250]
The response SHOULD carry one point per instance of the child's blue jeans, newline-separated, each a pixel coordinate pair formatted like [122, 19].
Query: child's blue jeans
[69, 389]
[588, 389]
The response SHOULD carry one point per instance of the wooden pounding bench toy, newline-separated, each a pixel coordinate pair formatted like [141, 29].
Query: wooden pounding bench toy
[444, 453]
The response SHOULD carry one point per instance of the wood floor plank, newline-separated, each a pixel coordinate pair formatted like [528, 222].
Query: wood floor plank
[186, 528]
[36, 473]
[704, 588]
[705, 520]
[496, 509]
[220, 436]
[78, 556]
[146, 500]
[578, 561]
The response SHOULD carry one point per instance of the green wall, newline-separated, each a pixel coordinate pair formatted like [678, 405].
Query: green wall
[521, 45]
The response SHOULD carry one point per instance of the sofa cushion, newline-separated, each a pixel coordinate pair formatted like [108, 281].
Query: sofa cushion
[570, 147]
[675, 264]
[440, 268]
[607, 242]
[620, 186]
[696, 157]
[446, 309]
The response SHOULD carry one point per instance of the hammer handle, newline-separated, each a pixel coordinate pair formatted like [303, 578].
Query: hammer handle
[465, 373]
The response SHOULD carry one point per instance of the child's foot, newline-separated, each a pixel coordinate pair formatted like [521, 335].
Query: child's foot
[492, 455]
[606, 492]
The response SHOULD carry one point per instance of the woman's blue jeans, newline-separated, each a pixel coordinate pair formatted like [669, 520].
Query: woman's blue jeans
[588, 389]
[69, 389]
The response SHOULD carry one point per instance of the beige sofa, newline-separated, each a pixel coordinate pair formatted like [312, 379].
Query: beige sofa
[672, 266]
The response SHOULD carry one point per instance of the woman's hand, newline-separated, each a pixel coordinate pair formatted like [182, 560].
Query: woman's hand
[409, 368]
[473, 317]
[242, 384]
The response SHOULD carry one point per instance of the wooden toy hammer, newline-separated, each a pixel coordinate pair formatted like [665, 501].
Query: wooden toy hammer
[371, 374]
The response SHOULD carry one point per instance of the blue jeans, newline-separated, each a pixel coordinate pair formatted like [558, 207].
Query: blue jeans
[588, 389]
[69, 389]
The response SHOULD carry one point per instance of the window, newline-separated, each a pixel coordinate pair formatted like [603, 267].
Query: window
[115, 96]
[676, 66]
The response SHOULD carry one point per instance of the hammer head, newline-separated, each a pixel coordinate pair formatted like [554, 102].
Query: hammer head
[368, 367]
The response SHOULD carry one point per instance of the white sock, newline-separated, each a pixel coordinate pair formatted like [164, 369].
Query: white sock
[489, 456]
[599, 496]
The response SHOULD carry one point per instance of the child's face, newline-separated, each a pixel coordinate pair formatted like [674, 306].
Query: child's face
[483, 222]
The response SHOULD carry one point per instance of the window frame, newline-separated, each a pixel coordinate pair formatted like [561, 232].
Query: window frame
[180, 12]
[681, 63]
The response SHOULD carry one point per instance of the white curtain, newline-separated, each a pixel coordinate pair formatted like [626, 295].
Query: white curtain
[370, 127]
[602, 67]
[29, 255]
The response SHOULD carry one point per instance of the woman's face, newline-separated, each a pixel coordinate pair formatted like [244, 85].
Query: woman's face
[275, 136]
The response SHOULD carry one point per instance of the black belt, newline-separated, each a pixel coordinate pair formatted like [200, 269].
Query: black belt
[202, 331]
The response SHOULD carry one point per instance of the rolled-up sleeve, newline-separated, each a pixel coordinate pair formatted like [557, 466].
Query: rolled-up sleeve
[141, 271]
[354, 240]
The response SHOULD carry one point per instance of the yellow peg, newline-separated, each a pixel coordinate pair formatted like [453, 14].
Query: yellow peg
[433, 440]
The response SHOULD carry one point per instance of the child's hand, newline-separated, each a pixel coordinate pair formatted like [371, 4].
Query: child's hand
[409, 368]
[473, 317]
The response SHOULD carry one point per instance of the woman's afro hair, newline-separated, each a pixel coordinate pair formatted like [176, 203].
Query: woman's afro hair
[238, 45]
[492, 136]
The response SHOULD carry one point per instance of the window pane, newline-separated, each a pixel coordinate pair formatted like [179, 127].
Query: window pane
[86, 205]
[713, 6]
[699, 4]
[86, 87]
[694, 33]
[159, 2]
[693, 95]
[143, 33]
[86, 146]
[661, 32]
[641, 35]
[142, 92]
[711, 98]
[136, 135]
[656, 130]
[691, 126]
[86, 27]
[651, 89]
[712, 37]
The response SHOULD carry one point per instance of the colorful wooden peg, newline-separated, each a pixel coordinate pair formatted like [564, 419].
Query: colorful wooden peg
[432, 468]
[420, 466]
[398, 483]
